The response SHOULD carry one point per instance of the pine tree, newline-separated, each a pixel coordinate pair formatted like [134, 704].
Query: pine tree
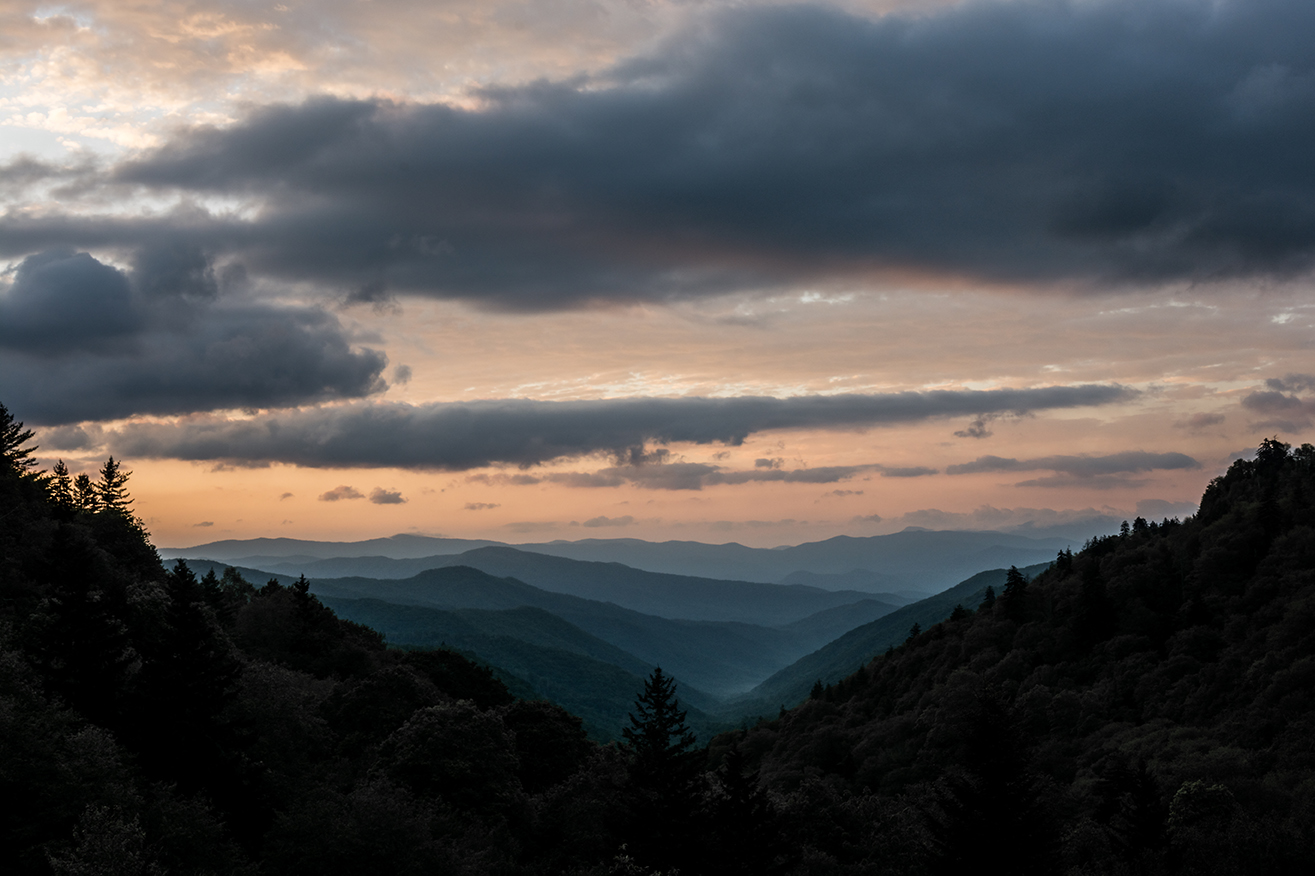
[111, 490]
[61, 487]
[84, 493]
[13, 455]
[1014, 593]
[664, 777]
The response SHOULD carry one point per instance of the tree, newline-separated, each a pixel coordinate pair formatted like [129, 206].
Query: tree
[61, 487]
[84, 493]
[111, 490]
[13, 455]
[1014, 593]
[664, 776]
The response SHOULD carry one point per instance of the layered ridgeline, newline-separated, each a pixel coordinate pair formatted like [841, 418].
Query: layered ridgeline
[1146, 705]
[588, 655]
[918, 561]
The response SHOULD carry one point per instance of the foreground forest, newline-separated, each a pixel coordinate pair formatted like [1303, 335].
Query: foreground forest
[1146, 706]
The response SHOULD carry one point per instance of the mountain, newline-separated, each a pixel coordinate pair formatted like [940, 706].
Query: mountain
[669, 596]
[919, 560]
[837, 659]
[721, 658]
[559, 661]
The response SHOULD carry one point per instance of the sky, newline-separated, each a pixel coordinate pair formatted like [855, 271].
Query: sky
[750, 271]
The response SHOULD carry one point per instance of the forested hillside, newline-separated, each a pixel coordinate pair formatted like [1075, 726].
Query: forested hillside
[1145, 705]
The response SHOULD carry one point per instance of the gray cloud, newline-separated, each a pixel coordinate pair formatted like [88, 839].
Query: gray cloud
[1199, 422]
[80, 340]
[1291, 382]
[1081, 468]
[380, 496]
[1024, 520]
[599, 521]
[1161, 508]
[980, 427]
[1277, 409]
[481, 506]
[337, 494]
[468, 435]
[915, 471]
[1009, 141]
[86, 437]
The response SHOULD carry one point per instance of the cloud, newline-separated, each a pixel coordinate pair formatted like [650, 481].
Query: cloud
[1080, 469]
[466, 435]
[915, 471]
[1160, 508]
[285, 496]
[80, 340]
[380, 496]
[594, 522]
[1278, 410]
[1088, 482]
[1010, 142]
[978, 428]
[1291, 382]
[1200, 422]
[845, 493]
[204, 523]
[528, 526]
[481, 506]
[1021, 520]
[342, 492]
[85, 437]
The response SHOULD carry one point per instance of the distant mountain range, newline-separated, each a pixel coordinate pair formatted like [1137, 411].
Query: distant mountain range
[591, 655]
[919, 561]
[721, 658]
[841, 657]
[664, 595]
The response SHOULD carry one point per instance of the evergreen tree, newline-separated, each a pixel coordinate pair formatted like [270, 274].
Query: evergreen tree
[61, 487]
[13, 455]
[111, 490]
[988, 600]
[1014, 593]
[664, 777]
[84, 493]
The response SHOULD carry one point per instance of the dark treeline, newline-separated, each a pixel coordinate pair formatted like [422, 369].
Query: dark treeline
[1145, 706]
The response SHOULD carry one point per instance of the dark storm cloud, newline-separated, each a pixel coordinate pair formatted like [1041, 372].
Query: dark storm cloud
[467, 435]
[62, 301]
[1023, 142]
[81, 340]
[1078, 467]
